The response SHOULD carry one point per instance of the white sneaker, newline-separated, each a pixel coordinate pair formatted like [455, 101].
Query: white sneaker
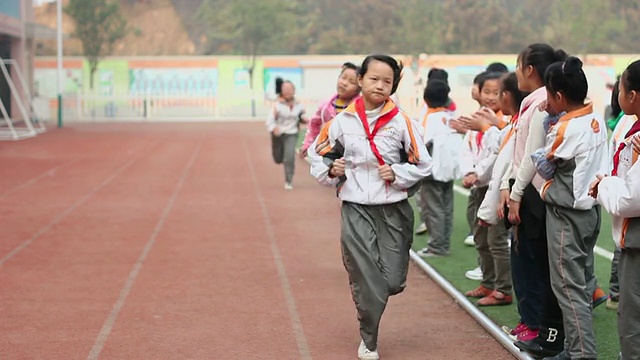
[366, 354]
[423, 251]
[475, 274]
[469, 241]
[288, 186]
[422, 228]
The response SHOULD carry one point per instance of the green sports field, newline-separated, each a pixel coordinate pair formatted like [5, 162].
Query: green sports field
[464, 258]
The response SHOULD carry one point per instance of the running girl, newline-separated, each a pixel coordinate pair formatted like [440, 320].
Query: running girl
[347, 89]
[374, 154]
[284, 123]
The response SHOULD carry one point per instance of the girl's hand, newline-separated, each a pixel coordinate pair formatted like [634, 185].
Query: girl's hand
[593, 188]
[386, 173]
[474, 122]
[483, 223]
[469, 180]
[276, 131]
[489, 116]
[504, 202]
[303, 153]
[338, 167]
[458, 126]
[514, 212]
[636, 143]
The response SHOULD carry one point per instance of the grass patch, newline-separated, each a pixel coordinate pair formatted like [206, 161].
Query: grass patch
[464, 258]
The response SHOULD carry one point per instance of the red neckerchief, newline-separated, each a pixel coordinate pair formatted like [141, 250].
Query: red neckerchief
[382, 121]
[616, 157]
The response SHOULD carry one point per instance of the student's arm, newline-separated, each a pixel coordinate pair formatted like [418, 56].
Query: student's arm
[271, 119]
[490, 147]
[504, 183]
[535, 140]
[466, 155]
[621, 196]
[324, 150]
[313, 129]
[419, 162]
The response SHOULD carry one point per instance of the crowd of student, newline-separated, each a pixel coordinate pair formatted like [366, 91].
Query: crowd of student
[539, 165]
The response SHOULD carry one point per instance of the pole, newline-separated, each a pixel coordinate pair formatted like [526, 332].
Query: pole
[60, 70]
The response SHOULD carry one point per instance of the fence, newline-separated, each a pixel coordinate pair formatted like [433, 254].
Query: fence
[79, 108]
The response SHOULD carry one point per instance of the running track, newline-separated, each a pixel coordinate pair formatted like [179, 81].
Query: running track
[178, 241]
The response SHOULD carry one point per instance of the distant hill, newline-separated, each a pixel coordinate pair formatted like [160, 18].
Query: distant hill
[157, 27]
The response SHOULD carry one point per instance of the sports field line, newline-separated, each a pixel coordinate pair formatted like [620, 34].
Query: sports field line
[598, 250]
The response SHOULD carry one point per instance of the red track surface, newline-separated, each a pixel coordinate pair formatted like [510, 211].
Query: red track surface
[178, 241]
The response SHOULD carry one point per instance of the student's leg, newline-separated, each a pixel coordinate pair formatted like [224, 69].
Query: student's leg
[480, 236]
[498, 240]
[361, 258]
[434, 216]
[614, 284]
[570, 235]
[447, 198]
[277, 148]
[472, 210]
[395, 237]
[629, 307]
[290, 141]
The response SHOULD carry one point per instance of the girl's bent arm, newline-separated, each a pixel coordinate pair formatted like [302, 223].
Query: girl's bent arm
[419, 165]
[323, 150]
[621, 196]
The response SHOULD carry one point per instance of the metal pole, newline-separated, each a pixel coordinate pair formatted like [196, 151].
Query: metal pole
[60, 70]
[476, 314]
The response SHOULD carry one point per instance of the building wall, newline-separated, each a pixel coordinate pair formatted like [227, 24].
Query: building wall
[15, 17]
[226, 78]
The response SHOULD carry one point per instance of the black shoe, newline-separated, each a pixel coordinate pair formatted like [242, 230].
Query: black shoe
[562, 356]
[537, 350]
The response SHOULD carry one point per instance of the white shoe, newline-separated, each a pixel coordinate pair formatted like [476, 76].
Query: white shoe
[469, 241]
[366, 354]
[475, 274]
[288, 186]
[422, 228]
[423, 251]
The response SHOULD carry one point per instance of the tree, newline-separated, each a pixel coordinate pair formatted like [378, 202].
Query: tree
[99, 24]
[253, 24]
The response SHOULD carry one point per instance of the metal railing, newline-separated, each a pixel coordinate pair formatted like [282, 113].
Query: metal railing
[92, 108]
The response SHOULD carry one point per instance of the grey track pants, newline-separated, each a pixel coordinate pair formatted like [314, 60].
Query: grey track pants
[375, 241]
[629, 308]
[571, 237]
[283, 149]
[436, 210]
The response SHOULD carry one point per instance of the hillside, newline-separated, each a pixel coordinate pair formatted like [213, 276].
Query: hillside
[156, 28]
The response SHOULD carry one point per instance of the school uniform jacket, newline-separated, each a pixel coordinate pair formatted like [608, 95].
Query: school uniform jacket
[620, 196]
[617, 136]
[443, 143]
[479, 152]
[399, 142]
[285, 117]
[488, 210]
[577, 143]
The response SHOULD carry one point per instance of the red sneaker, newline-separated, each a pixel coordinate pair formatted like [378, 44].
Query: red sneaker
[479, 292]
[494, 299]
[519, 328]
[528, 335]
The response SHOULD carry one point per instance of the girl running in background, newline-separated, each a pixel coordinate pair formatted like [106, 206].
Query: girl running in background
[347, 89]
[373, 153]
[577, 145]
[619, 194]
[284, 123]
